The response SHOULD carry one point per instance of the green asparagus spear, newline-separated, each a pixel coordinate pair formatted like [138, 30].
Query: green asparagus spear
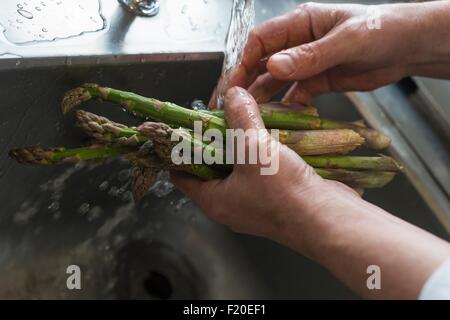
[317, 142]
[358, 179]
[304, 142]
[176, 115]
[147, 107]
[381, 163]
[355, 179]
[46, 156]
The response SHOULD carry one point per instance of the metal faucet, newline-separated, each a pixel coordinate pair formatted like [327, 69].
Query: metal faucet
[146, 8]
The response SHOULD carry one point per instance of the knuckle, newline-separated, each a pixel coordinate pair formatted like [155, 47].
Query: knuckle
[306, 173]
[307, 6]
[310, 52]
[216, 214]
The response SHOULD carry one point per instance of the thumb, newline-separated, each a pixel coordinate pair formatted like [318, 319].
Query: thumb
[250, 144]
[309, 59]
[241, 110]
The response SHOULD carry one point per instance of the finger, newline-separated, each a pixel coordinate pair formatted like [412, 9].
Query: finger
[310, 59]
[272, 36]
[304, 91]
[200, 191]
[288, 30]
[241, 110]
[265, 87]
[297, 94]
[335, 80]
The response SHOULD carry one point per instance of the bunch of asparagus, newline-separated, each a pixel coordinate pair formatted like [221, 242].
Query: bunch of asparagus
[321, 142]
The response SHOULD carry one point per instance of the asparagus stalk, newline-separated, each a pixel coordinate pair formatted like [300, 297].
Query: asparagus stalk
[107, 131]
[355, 179]
[308, 142]
[177, 115]
[147, 107]
[53, 156]
[47, 156]
[316, 142]
[373, 139]
[329, 141]
[381, 163]
[358, 179]
[278, 114]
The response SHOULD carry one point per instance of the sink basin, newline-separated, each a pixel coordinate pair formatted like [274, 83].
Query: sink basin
[164, 247]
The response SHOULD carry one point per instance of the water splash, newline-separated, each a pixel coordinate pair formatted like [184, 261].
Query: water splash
[162, 186]
[242, 21]
[49, 20]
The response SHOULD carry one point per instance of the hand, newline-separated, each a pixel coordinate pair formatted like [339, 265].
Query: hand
[264, 205]
[322, 219]
[329, 47]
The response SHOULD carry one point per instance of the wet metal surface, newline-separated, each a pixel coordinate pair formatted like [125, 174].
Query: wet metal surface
[36, 20]
[105, 28]
[53, 217]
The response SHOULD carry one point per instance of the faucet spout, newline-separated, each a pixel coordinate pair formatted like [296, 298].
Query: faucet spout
[145, 8]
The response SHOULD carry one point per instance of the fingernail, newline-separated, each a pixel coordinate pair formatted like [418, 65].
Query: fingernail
[284, 63]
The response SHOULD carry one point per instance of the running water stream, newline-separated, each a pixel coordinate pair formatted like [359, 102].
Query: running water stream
[242, 21]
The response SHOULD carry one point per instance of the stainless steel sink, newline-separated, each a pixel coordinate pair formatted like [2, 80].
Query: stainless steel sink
[164, 247]
[53, 217]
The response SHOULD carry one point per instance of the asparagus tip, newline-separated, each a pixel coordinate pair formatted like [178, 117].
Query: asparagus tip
[32, 155]
[73, 98]
[142, 180]
[76, 96]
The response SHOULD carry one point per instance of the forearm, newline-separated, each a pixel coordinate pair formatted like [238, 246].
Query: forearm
[352, 234]
[432, 28]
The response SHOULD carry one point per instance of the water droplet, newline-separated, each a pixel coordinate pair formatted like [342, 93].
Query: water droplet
[94, 213]
[181, 203]
[127, 196]
[103, 186]
[43, 4]
[54, 206]
[124, 175]
[84, 208]
[57, 215]
[19, 6]
[38, 8]
[26, 14]
[163, 186]
[184, 9]
[44, 30]
[114, 191]
[18, 63]
[198, 105]
[19, 20]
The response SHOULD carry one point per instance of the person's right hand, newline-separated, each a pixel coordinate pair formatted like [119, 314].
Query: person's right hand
[330, 47]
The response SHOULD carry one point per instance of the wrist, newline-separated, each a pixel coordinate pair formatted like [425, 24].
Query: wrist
[317, 216]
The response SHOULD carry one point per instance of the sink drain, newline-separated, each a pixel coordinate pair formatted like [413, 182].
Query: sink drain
[157, 271]
[158, 285]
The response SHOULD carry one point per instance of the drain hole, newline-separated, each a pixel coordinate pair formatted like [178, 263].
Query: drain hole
[158, 286]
